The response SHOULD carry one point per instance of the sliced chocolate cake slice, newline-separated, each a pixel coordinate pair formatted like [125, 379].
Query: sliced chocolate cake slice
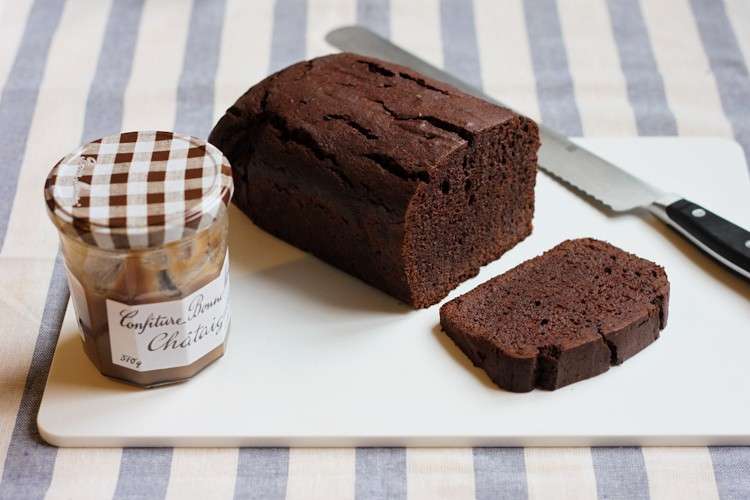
[561, 317]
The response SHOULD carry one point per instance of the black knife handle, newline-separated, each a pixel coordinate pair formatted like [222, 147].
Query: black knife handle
[726, 242]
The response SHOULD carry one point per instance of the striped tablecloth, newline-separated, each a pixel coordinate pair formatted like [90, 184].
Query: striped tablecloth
[79, 69]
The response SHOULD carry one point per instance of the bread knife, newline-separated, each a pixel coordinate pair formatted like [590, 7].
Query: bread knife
[565, 161]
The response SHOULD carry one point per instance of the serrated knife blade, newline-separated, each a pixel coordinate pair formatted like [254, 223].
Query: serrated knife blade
[595, 176]
[584, 170]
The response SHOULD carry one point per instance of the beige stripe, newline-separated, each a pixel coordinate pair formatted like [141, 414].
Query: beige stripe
[202, 473]
[21, 307]
[56, 125]
[84, 473]
[12, 24]
[679, 473]
[322, 17]
[507, 72]
[245, 51]
[738, 12]
[599, 83]
[439, 473]
[323, 473]
[416, 27]
[151, 95]
[560, 473]
[688, 80]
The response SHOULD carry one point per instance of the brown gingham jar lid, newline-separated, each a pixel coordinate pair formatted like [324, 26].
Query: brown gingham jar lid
[138, 190]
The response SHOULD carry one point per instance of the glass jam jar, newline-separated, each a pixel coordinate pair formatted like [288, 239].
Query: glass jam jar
[142, 218]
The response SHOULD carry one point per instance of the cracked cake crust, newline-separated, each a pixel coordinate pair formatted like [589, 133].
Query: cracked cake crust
[561, 317]
[400, 180]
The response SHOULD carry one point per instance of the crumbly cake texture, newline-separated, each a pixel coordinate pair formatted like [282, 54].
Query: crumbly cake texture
[561, 317]
[403, 181]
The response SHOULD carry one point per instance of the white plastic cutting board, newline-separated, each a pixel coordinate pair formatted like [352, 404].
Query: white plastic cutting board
[317, 358]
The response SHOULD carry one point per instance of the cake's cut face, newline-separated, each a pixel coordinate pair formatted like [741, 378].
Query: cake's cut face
[561, 317]
[479, 206]
[403, 181]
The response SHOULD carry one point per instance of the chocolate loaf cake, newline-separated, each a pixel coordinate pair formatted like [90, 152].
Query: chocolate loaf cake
[562, 317]
[403, 181]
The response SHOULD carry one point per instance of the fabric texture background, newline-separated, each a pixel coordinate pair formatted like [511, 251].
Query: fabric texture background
[75, 70]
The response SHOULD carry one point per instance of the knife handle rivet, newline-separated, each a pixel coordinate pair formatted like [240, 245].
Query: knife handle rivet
[747, 244]
[698, 212]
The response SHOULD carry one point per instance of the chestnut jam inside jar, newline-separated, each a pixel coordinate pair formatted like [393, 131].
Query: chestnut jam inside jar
[142, 218]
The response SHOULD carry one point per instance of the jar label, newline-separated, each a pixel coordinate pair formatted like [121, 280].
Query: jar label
[170, 334]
